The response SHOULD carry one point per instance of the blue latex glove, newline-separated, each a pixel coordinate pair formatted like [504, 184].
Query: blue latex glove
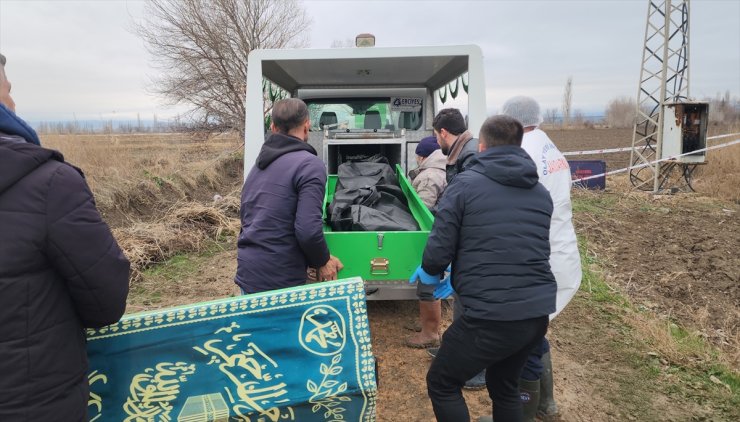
[444, 290]
[423, 276]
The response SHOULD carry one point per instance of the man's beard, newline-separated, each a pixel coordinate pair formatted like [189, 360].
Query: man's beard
[445, 149]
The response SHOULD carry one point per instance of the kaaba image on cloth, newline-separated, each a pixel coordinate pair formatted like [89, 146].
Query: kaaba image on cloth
[298, 354]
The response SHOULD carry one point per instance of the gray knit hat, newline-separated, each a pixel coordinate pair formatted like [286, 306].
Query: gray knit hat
[524, 109]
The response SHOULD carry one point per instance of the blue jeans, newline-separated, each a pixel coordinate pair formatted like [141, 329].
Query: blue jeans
[470, 345]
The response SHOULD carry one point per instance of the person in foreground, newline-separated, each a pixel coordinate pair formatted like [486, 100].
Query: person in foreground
[492, 225]
[61, 271]
[282, 232]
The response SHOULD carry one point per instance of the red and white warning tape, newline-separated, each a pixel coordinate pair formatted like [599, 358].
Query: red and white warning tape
[625, 149]
[609, 173]
[597, 151]
[727, 135]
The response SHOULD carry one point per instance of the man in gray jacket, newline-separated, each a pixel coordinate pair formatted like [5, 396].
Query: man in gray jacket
[429, 180]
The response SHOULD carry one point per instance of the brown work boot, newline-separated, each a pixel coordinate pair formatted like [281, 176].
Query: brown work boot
[430, 316]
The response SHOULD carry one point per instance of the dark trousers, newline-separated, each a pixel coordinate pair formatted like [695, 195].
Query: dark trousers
[533, 368]
[471, 345]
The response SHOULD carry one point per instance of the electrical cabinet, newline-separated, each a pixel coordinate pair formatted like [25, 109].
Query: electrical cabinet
[684, 131]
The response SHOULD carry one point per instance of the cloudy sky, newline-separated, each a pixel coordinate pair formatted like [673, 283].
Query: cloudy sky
[78, 59]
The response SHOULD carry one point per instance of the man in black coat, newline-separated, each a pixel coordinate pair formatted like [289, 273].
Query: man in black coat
[61, 270]
[492, 225]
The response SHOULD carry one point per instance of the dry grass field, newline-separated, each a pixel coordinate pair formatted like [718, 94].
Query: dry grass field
[136, 176]
[654, 333]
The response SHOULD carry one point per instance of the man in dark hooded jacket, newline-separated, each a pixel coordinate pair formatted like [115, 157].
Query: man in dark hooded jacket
[493, 225]
[60, 270]
[282, 199]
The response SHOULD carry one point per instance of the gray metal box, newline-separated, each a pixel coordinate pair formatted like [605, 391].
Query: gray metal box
[684, 131]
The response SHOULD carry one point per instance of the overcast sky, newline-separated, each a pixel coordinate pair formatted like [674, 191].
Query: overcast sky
[78, 58]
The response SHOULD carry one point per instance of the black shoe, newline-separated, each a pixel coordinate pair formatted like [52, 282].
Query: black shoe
[432, 351]
[478, 382]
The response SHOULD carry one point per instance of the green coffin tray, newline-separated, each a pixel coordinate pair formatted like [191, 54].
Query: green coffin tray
[379, 256]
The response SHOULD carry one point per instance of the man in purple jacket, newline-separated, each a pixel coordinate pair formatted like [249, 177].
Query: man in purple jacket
[60, 270]
[282, 199]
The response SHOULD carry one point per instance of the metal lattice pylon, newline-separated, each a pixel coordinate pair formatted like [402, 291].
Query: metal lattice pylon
[664, 77]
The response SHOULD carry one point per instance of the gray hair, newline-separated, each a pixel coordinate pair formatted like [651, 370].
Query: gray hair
[289, 114]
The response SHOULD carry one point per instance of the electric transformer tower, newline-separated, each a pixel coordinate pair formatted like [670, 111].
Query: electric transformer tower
[668, 126]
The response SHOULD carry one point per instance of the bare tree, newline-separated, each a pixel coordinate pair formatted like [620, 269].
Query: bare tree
[578, 120]
[567, 101]
[724, 110]
[202, 48]
[551, 116]
[621, 112]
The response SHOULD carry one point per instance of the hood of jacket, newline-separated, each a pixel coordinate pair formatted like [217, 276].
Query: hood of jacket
[458, 146]
[278, 145]
[436, 160]
[18, 159]
[506, 164]
[11, 124]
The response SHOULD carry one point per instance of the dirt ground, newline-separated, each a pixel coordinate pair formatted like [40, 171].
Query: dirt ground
[675, 256]
[590, 375]
[591, 139]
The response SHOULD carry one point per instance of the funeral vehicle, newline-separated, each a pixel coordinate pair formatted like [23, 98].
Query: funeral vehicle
[364, 102]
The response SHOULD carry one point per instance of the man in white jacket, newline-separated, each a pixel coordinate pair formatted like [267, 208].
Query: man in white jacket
[554, 173]
[565, 262]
